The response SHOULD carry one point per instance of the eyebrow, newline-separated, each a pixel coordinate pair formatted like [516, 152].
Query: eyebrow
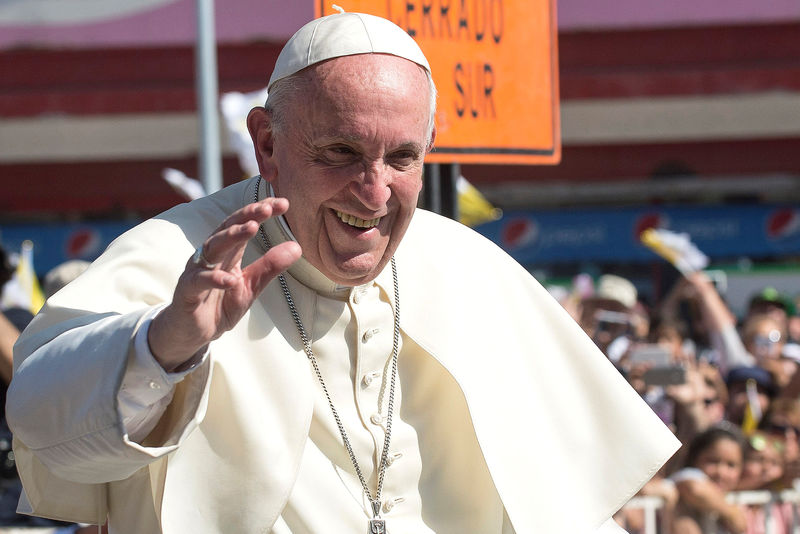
[327, 139]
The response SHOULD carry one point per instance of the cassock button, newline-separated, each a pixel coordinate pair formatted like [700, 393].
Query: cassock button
[358, 295]
[389, 504]
[369, 334]
[391, 459]
[369, 378]
[376, 419]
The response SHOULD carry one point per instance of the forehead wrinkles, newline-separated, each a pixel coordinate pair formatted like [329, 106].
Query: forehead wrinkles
[352, 84]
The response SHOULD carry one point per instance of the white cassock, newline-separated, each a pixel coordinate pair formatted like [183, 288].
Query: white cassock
[508, 419]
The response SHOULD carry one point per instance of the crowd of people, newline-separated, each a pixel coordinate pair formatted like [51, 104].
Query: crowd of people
[727, 386]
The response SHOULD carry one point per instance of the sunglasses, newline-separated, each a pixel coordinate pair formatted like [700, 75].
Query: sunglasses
[767, 340]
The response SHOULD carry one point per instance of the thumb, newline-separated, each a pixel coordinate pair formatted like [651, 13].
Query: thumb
[271, 264]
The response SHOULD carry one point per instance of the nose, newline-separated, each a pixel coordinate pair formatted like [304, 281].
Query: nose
[371, 187]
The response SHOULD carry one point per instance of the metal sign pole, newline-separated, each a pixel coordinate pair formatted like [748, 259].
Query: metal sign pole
[448, 177]
[439, 193]
[431, 188]
[207, 95]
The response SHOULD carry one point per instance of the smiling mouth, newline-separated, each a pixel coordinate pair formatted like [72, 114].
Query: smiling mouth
[356, 222]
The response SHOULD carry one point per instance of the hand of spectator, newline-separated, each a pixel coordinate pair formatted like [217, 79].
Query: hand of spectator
[634, 372]
[691, 391]
[661, 487]
[210, 301]
[706, 496]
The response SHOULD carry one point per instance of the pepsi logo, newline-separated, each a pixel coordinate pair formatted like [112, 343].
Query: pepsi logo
[83, 243]
[783, 223]
[519, 232]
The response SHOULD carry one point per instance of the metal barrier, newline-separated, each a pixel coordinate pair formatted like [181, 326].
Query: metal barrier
[655, 524]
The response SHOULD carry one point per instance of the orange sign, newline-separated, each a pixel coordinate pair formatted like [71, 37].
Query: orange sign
[495, 65]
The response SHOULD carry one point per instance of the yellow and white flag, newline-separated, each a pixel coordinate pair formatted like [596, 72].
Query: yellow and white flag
[23, 290]
[752, 410]
[473, 208]
[676, 248]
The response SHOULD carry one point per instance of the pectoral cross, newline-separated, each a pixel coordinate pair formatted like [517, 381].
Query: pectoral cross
[377, 526]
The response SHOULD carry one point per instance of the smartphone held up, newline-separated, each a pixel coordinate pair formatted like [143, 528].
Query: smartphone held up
[662, 371]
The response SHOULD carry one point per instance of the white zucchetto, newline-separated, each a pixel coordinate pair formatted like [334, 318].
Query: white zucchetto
[344, 34]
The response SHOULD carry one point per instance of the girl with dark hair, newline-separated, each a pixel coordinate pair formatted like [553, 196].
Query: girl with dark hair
[713, 468]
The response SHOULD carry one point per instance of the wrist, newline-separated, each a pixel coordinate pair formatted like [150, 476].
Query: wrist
[168, 347]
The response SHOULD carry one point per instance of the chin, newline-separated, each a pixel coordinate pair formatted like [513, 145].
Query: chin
[355, 271]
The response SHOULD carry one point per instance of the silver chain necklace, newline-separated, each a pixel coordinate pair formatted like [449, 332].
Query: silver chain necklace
[376, 525]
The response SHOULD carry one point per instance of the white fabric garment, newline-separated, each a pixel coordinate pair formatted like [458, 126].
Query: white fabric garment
[500, 363]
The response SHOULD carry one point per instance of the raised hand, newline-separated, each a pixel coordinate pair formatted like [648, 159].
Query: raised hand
[214, 291]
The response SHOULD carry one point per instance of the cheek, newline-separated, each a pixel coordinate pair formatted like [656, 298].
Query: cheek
[407, 190]
[751, 468]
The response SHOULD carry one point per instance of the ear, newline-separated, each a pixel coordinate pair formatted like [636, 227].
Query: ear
[433, 138]
[259, 125]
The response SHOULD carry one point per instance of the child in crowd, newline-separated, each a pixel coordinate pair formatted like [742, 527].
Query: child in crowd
[713, 468]
[782, 422]
[763, 469]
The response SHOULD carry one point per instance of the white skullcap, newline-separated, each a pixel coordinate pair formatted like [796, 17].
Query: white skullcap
[344, 34]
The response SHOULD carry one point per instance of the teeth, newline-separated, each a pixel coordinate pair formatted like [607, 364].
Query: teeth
[355, 221]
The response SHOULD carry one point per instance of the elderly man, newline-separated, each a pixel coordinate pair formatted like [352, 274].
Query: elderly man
[216, 395]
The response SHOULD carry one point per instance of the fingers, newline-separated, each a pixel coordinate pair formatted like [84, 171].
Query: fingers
[276, 260]
[226, 245]
[257, 211]
[206, 279]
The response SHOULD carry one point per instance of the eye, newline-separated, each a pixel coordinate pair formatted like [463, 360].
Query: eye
[341, 150]
[402, 159]
[339, 154]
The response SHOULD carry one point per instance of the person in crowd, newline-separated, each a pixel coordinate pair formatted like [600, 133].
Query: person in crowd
[763, 469]
[647, 365]
[713, 468]
[763, 464]
[762, 391]
[782, 422]
[609, 316]
[769, 301]
[760, 340]
[764, 337]
[720, 323]
[700, 403]
[306, 349]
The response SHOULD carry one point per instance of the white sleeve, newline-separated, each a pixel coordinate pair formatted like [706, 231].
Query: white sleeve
[146, 388]
[63, 404]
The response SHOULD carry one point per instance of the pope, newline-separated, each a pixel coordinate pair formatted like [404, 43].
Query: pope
[305, 351]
